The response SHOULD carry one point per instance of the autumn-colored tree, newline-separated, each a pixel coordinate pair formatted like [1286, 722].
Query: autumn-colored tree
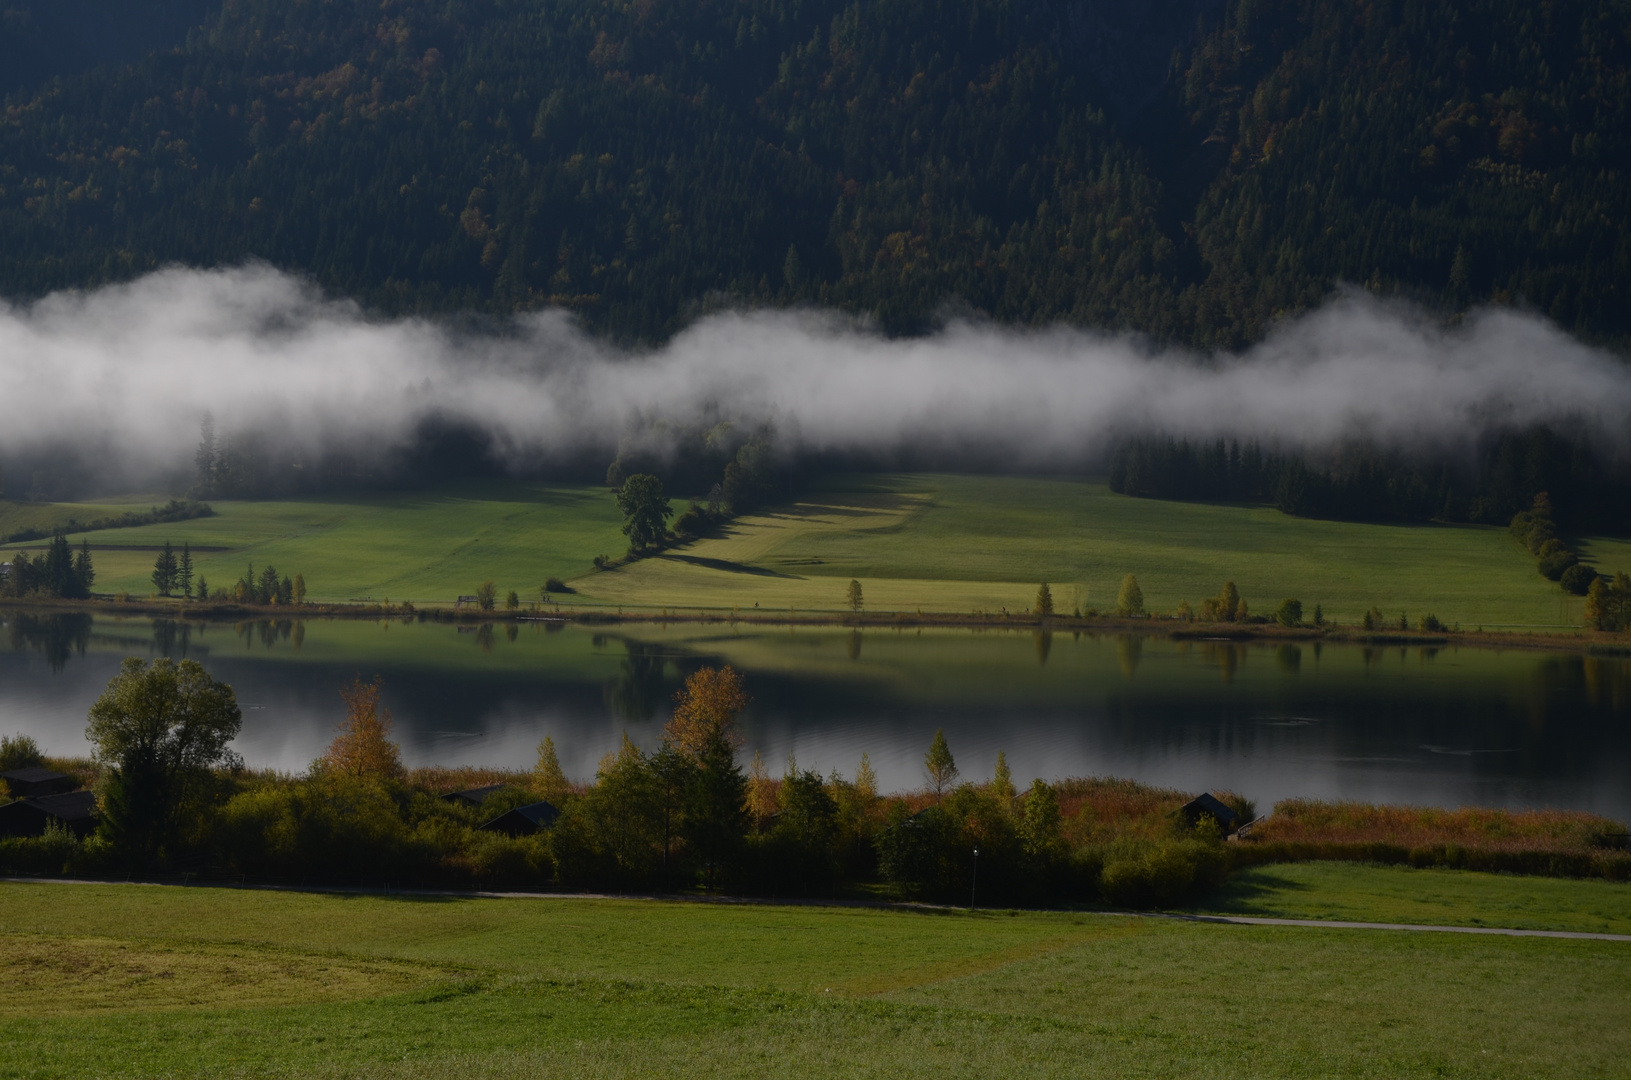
[866, 781]
[939, 765]
[705, 710]
[1039, 828]
[547, 778]
[762, 801]
[364, 747]
[299, 588]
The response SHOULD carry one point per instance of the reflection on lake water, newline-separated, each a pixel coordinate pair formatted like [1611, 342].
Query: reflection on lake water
[1448, 726]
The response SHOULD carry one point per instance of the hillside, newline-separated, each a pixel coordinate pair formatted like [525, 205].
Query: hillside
[1187, 169]
[939, 543]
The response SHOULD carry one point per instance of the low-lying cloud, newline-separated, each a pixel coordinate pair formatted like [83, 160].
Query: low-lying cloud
[130, 371]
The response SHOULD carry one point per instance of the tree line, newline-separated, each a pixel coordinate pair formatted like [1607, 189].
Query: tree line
[57, 573]
[685, 814]
[639, 166]
[1361, 482]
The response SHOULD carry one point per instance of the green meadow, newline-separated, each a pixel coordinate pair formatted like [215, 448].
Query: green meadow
[938, 543]
[150, 980]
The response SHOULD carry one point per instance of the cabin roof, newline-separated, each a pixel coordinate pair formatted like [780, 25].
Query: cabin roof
[475, 795]
[74, 806]
[32, 775]
[524, 819]
[1207, 803]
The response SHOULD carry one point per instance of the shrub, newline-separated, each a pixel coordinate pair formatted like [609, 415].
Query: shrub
[486, 596]
[1161, 874]
[1289, 613]
[512, 601]
[1553, 566]
[1577, 579]
[19, 752]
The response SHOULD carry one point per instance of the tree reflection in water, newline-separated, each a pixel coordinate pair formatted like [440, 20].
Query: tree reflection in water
[59, 637]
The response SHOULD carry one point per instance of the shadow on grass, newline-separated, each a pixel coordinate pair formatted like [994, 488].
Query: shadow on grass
[1244, 891]
[724, 564]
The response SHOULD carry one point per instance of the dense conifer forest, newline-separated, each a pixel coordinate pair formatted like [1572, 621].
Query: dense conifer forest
[1188, 169]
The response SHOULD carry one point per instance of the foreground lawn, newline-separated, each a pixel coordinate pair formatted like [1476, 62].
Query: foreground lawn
[930, 542]
[132, 980]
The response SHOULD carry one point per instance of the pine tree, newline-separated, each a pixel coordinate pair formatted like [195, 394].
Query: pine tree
[203, 588]
[184, 570]
[84, 571]
[164, 570]
[854, 595]
[1044, 600]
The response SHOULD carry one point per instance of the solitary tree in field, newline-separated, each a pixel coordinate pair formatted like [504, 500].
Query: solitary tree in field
[156, 731]
[1044, 599]
[1130, 600]
[363, 747]
[939, 765]
[645, 510]
[854, 596]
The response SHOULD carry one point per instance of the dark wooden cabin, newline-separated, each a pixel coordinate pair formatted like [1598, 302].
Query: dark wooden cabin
[1207, 803]
[30, 816]
[37, 781]
[524, 820]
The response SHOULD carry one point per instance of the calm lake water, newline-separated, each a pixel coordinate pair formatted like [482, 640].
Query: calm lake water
[1447, 726]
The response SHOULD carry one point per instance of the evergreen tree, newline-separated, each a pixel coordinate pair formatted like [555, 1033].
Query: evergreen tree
[1002, 781]
[164, 570]
[184, 570]
[547, 778]
[84, 570]
[1044, 600]
[854, 595]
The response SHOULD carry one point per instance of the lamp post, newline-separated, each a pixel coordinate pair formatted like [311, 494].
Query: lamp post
[974, 887]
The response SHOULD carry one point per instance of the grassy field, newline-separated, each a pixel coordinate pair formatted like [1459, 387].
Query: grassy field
[1354, 892]
[930, 542]
[143, 980]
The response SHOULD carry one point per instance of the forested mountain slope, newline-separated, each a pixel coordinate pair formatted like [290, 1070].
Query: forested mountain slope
[640, 162]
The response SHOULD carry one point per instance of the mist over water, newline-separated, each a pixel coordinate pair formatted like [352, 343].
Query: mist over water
[129, 371]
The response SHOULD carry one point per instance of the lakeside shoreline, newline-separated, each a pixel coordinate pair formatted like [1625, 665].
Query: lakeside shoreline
[1567, 641]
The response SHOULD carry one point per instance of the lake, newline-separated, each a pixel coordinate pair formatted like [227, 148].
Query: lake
[1444, 726]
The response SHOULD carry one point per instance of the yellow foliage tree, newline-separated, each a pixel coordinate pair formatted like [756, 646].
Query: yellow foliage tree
[547, 778]
[705, 710]
[364, 747]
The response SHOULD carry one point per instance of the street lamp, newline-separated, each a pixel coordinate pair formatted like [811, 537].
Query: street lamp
[974, 888]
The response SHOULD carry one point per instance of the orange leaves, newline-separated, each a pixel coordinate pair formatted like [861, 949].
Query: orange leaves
[705, 712]
[363, 747]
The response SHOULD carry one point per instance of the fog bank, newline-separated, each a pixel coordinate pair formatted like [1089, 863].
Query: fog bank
[129, 371]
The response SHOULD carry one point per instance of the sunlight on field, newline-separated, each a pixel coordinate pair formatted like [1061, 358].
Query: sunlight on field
[936, 543]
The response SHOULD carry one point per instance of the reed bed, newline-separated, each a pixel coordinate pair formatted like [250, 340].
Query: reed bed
[1566, 843]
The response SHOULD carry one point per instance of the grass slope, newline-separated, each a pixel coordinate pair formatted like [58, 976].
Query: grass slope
[206, 981]
[960, 542]
[931, 542]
